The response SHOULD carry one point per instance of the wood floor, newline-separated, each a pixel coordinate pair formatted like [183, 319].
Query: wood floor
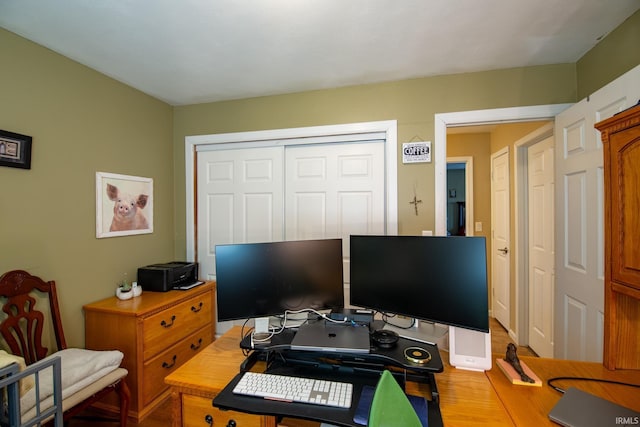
[162, 416]
[500, 338]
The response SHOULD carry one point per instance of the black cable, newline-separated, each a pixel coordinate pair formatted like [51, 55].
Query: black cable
[386, 316]
[600, 380]
[243, 336]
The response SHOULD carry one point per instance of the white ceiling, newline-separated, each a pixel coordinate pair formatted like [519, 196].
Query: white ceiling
[194, 51]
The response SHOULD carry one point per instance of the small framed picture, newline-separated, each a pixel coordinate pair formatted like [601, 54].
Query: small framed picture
[15, 150]
[124, 205]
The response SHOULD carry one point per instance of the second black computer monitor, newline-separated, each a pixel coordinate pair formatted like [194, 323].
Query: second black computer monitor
[438, 279]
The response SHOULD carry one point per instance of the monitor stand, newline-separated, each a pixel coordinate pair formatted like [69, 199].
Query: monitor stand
[426, 332]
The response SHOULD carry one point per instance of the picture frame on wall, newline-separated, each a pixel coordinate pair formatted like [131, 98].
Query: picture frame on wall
[124, 205]
[15, 150]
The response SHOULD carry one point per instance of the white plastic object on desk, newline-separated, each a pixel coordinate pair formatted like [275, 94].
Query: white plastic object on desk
[137, 290]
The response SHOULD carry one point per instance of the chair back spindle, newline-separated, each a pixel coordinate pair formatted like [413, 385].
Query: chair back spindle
[22, 328]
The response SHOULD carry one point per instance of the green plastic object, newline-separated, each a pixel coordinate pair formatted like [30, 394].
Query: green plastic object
[390, 406]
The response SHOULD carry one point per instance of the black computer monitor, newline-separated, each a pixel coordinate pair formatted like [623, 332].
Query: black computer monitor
[266, 279]
[438, 279]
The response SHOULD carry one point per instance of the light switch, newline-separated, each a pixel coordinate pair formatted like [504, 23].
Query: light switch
[478, 226]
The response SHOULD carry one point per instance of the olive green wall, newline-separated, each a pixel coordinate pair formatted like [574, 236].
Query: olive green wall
[616, 54]
[412, 103]
[81, 122]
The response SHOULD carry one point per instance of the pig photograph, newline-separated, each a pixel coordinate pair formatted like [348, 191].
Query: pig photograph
[124, 205]
[127, 210]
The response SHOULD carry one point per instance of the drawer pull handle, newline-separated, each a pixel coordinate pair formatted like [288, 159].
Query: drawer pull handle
[208, 419]
[196, 346]
[164, 323]
[170, 365]
[197, 309]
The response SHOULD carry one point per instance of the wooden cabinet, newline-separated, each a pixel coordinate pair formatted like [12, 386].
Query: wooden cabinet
[198, 411]
[621, 139]
[157, 332]
[197, 382]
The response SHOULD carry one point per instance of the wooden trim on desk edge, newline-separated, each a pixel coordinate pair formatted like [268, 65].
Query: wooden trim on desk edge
[200, 392]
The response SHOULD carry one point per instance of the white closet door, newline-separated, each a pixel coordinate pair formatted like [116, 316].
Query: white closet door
[541, 191]
[239, 200]
[333, 191]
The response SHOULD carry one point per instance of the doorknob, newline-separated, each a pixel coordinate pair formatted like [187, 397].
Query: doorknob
[504, 250]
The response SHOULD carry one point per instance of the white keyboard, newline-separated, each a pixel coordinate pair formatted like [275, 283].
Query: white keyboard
[295, 389]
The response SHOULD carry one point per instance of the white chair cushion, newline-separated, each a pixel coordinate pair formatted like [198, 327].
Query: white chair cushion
[82, 394]
[80, 368]
[6, 359]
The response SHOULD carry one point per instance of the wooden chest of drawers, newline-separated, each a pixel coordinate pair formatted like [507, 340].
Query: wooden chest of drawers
[157, 332]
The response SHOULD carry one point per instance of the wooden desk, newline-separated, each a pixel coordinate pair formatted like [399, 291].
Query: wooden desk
[466, 398]
[529, 406]
[199, 380]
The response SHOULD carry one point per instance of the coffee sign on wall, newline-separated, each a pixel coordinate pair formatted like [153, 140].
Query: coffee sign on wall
[416, 152]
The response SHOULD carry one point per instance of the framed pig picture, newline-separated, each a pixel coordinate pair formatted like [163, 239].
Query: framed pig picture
[124, 205]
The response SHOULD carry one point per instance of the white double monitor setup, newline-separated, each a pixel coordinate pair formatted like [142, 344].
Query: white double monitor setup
[440, 281]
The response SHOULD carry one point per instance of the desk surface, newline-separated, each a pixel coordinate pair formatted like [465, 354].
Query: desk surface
[529, 406]
[466, 398]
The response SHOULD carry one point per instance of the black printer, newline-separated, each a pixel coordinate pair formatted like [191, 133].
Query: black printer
[165, 277]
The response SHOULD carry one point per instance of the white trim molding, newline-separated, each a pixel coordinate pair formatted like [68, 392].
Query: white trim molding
[468, 118]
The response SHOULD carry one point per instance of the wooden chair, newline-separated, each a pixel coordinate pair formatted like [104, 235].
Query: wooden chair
[22, 331]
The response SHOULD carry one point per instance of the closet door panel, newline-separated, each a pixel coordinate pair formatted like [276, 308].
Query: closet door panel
[239, 200]
[334, 191]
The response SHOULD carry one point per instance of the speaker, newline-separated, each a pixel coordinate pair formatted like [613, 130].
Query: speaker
[469, 349]
[384, 338]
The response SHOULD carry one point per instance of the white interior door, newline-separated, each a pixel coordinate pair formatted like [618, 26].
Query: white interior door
[239, 200]
[500, 236]
[334, 191]
[579, 294]
[541, 246]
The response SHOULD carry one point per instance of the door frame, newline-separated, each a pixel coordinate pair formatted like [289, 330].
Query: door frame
[521, 240]
[468, 195]
[279, 137]
[469, 118]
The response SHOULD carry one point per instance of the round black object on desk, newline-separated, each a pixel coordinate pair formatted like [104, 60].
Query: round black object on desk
[384, 338]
